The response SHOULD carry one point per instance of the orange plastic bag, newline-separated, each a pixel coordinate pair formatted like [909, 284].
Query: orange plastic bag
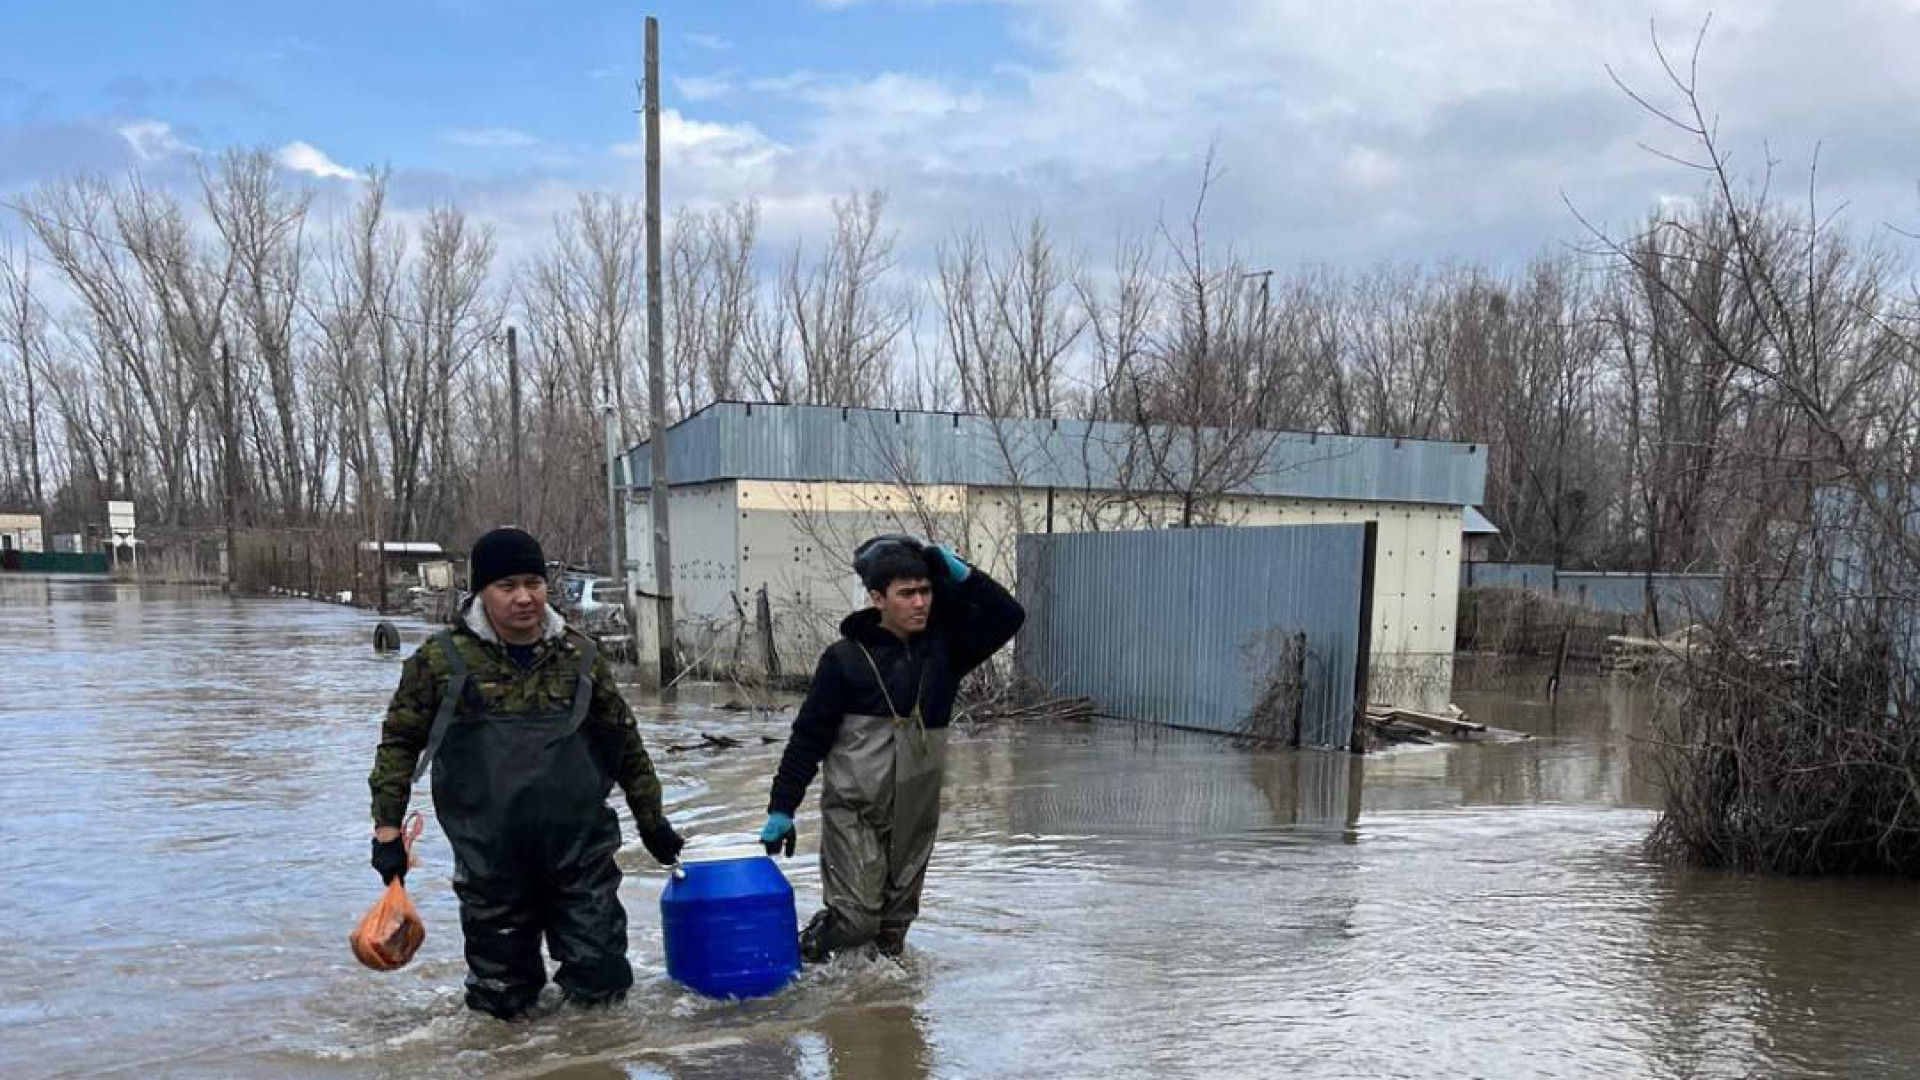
[391, 931]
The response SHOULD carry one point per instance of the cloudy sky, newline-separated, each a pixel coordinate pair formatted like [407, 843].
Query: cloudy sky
[1344, 132]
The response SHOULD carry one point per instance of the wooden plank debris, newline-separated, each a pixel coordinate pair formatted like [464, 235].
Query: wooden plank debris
[1390, 725]
[1071, 710]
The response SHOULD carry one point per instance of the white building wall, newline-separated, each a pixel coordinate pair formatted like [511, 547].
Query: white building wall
[796, 540]
[705, 560]
[21, 532]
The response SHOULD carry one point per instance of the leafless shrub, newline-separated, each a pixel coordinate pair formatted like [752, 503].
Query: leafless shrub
[1789, 741]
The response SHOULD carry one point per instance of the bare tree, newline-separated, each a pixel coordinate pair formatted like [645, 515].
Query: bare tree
[453, 320]
[1526, 379]
[1790, 743]
[1200, 394]
[1399, 352]
[585, 296]
[157, 306]
[263, 225]
[361, 339]
[710, 299]
[832, 340]
[1010, 322]
[1679, 377]
[23, 328]
[1313, 325]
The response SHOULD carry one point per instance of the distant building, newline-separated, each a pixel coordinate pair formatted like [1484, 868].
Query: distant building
[404, 562]
[1479, 536]
[775, 497]
[21, 532]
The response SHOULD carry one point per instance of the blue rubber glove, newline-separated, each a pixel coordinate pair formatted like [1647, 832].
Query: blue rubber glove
[957, 569]
[778, 833]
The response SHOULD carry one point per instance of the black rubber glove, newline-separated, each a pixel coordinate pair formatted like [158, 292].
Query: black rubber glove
[390, 859]
[662, 843]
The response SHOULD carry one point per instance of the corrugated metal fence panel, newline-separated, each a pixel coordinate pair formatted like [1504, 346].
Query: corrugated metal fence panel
[808, 442]
[1182, 627]
[56, 562]
[1862, 584]
[1535, 576]
[1680, 596]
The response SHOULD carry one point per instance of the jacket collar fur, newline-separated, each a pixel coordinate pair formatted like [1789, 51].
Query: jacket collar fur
[473, 616]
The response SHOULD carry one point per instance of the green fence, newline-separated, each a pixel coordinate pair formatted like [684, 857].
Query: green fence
[54, 562]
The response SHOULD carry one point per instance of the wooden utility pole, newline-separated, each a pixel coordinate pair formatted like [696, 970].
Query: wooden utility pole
[611, 461]
[513, 407]
[657, 367]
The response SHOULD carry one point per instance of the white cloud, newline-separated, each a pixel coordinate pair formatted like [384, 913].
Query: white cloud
[792, 82]
[1369, 167]
[709, 42]
[153, 140]
[1445, 131]
[1342, 136]
[306, 158]
[705, 144]
[891, 99]
[703, 87]
[491, 138]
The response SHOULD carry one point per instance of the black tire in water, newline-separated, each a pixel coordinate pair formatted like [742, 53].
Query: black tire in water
[385, 637]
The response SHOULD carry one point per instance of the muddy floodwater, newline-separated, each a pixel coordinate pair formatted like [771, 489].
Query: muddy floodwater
[184, 808]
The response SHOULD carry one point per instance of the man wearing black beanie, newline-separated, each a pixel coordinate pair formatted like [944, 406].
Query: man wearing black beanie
[526, 734]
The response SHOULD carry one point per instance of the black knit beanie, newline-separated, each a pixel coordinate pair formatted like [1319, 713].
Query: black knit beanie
[504, 552]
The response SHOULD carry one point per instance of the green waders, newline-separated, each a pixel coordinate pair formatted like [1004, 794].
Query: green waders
[880, 809]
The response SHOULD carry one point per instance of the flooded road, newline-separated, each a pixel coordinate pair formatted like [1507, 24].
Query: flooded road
[184, 810]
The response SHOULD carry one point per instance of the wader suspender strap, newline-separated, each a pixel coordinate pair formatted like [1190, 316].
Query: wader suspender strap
[919, 682]
[448, 702]
[583, 690]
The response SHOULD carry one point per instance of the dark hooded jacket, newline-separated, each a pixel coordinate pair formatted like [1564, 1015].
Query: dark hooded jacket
[970, 621]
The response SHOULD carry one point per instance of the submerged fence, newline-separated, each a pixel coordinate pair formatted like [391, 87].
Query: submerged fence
[54, 562]
[1249, 631]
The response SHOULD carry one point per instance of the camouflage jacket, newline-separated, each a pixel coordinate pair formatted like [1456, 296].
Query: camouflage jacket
[493, 676]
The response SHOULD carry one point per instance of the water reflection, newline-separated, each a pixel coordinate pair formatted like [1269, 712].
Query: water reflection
[1585, 748]
[1801, 977]
[881, 1041]
[1132, 783]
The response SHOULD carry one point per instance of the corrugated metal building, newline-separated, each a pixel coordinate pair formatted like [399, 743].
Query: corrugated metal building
[775, 497]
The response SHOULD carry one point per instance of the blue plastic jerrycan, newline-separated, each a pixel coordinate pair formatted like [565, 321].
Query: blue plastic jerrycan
[730, 927]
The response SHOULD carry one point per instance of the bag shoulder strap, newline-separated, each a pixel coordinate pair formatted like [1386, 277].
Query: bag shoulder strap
[892, 709]
[449, 701]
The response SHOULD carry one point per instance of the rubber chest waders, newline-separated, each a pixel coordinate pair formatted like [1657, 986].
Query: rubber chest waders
[880, 801]
[522, 796]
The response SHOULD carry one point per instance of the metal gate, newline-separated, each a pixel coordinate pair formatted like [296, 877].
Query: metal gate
[1249, 631]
